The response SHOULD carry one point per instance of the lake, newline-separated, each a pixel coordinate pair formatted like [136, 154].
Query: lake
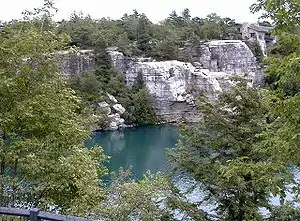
[143, 148]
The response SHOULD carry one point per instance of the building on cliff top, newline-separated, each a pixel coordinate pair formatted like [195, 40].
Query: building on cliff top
[260, 33]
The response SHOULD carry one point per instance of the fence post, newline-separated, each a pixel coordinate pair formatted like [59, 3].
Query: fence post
[34, 214]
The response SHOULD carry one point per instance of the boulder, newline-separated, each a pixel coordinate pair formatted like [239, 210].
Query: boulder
[119, 108]
[112, 98]
[111, 121]
[105, 107]
[116, 122]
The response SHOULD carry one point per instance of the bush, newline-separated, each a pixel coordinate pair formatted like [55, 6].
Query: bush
[144, 113]
[256, 50]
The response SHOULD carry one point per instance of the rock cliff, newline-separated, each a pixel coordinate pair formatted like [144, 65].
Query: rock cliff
[174, 84]
[77, 62]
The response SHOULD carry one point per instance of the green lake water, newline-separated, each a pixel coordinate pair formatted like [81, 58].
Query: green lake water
[143, 148]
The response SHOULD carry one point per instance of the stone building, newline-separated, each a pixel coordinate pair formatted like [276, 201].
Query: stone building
[259, 33]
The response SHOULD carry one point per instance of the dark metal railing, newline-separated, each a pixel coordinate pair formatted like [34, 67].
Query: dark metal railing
[37, 215]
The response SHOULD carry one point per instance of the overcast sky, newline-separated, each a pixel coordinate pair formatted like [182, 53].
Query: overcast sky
[156, 10]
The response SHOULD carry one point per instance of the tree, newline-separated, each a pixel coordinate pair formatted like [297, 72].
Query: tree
[265, 23]
[130, 24]
[143, 34]
[87, 86]
[43, 160]
[282, 73]
[186, 15]
[81, 29]
[127, 198]
[256, 50]
[139, 82]
[212, 26]
[104, 70]
[143, 110]
[175, 19]
[284, 14]
[222, 154]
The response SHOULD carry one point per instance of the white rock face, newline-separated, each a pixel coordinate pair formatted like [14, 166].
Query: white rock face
[116, 122]
[120, 62]
[77, 62]
[105, 106]
[112, 98]
[171, 83]
[230, 56]
[119, 108]
[174, 84]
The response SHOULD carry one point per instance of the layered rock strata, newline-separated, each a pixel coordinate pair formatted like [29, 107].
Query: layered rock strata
[174, 84]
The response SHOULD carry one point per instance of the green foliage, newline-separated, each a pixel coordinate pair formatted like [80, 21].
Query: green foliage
[256, 50]
[283, 76]
[284, 106]
[116, 86]
[222, 154]
[135, 35]
[93, 87]
[265, 23]
[139, 82]
[240, 153]
[127, 198]
[284, 13]
[87, 86]
[284, 212]
[212, 27]
[43, 160]
[143, 110]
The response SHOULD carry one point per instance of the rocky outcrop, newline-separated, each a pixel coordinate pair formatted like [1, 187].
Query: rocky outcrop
[104, 107]
[169, 83]
[113, 111]
[174, 84]
[230, 56]
[120, 62]
[115, 122]
[119, 108]
[77, 62]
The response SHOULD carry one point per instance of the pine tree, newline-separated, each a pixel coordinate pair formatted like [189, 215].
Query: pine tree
[144, 113]
[222, 154]
[139, 82]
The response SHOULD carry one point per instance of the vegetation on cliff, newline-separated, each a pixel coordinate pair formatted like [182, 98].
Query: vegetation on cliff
[94, 86]
[135, 35]
[242, 152]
